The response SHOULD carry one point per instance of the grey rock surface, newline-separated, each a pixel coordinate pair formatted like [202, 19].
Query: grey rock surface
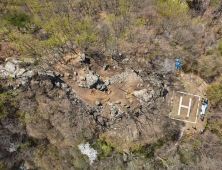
[107, 82]
[50, 73]
[98, 103]
[81, 57]
[10, 67]
[144, 95]
[20, 72]
[105, 67]
[92, 80]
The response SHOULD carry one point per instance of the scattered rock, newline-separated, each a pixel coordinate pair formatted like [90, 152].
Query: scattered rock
[107, 82]
[118, 102]
[127, 106]
[68, 76]
[50, 74]
[15, 61]
[29, 60]
[125, 157]
[57, 74]
[75, 79]
[64, 86]
[83, 85]
[98, 103]
[58, 84]
[115, 67]
[82, 78]
[81, 57]
[109, 92]
[101, 86]
[7, 59]
[29, 74]
[24, 82]
[126, 60]
[20, 72]
[105, 66]
[75, 73]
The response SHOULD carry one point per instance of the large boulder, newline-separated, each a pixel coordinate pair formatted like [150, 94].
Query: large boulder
[144, 95]
[92, 80]
[81, 57]
[100, 86]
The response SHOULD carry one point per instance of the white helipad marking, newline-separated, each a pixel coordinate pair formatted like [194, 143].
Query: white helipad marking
[182, 120]
[188, 107]
[182, 92]
[181, 98]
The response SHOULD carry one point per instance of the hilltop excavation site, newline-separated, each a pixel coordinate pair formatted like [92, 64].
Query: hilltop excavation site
[111, 85]
[71, 99]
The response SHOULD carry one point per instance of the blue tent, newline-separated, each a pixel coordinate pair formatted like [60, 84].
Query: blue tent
[178, 63]
[203, 109]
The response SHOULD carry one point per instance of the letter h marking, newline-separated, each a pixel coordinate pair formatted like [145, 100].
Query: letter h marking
[188, 107]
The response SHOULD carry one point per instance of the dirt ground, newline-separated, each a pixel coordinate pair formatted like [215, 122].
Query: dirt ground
[118, 92]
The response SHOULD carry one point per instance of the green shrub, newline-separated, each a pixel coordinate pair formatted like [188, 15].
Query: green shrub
[183, 158]
[25, 145]
[159, 143]
[3, 112]
[172, 8]
[1, 165]
[209, 67]
[214, 93]
[220, 47]
[18, 20]
[150, 154]
[5, 101]
[105, 148]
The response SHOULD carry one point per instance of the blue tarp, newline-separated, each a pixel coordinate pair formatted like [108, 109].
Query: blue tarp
[158, 57]
[178, 63]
